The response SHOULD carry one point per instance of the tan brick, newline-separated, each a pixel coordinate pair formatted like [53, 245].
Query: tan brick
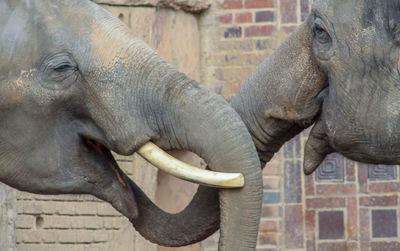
[32, 207]
[30, 236]
[65, 208]
[67, 236]
[101, 236]
[57, 222]
[105, 209]
[85, 236]
[24, 221]
[49, 236]
[86, 208]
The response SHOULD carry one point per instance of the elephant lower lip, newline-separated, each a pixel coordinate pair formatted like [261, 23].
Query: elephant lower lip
[107, 155]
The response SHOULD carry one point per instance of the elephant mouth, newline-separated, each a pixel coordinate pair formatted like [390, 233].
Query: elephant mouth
[106, 153]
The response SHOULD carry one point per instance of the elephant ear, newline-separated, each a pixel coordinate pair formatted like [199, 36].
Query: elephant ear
[284, 94]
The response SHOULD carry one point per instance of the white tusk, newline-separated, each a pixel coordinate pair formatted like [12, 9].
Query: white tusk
[179, 169]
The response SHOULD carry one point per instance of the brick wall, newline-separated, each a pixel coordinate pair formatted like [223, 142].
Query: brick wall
[344, 205]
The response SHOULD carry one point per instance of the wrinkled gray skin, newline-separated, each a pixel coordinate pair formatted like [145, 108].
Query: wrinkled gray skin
[340, 69]
[75, 84]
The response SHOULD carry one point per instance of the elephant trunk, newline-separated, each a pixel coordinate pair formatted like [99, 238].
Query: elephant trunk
[188, 116]
[283, 95]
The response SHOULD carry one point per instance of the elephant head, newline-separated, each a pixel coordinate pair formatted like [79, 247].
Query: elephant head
[340, 69]
[75, 84]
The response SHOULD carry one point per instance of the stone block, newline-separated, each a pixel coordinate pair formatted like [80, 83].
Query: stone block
[331, 225]
[271, 197]
[382, 172]
[265, 16]
[384, 223]
[331, 170]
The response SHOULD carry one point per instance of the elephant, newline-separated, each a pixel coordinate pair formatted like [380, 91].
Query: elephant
[76, 84]
[339, 71]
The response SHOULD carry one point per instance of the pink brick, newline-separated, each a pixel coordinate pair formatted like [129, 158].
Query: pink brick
[325, 203]
[225, 19]
[243, 17]
[259, 3]
[374, 201]
[336, 189]
[230, 4]
[259, 30]
[352, 218]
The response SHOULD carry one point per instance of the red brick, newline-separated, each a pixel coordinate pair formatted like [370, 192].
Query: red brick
[352, 219]
[386, 246]
[289, 29]
[270, 211]
[288, 11]
[350, 170]
[294, 232]
[363, 178]
[271, 169]
[259, 3]
[310, 224]
[309, 184]
[243, 17]
[364, 224]
[230, 4]
[336, 189]
[225, 19]
[271, 183]
[325, 203]
[384, 187]
[311, 245]
[382, 201]
[338, 246]
[268, 226]
[257, 31]
[268, 238]
[264, 16]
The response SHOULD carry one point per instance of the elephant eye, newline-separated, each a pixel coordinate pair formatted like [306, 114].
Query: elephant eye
[59, 71]
[321, 34]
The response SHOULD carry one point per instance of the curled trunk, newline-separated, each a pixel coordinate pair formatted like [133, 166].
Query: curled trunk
[210, 128]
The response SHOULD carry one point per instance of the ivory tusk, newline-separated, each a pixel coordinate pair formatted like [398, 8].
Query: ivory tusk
[179, 169]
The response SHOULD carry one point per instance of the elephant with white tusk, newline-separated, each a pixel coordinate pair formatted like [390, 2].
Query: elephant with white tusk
[75, 84]
[338, 71]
